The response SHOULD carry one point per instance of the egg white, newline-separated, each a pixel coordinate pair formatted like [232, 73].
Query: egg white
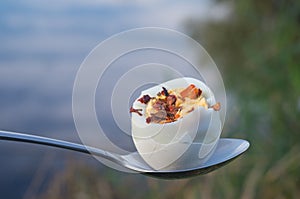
[160, 145]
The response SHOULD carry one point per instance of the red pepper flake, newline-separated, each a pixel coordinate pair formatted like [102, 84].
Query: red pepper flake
[192, 109]
[177, 116]
[165, 91]
[216, 106]
[171, 99]
[145, 99]
[148, 120]
[133, 110]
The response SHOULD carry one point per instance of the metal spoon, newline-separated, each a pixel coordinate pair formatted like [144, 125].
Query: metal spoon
[226, 151]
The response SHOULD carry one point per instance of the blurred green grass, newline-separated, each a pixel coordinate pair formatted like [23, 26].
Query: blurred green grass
[257, 50]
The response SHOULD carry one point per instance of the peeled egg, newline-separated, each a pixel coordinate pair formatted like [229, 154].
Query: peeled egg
[164, 146]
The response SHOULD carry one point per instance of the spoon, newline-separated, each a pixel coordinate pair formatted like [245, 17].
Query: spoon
[226, 151]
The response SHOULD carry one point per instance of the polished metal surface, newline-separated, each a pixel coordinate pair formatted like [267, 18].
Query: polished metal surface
[226, 151]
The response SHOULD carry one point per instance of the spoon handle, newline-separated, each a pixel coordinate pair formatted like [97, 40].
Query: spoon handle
[20, 137]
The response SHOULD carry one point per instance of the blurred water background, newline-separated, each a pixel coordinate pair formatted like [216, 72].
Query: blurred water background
[255, 44]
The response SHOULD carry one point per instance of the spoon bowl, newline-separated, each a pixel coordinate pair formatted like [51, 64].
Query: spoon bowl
[226, 151]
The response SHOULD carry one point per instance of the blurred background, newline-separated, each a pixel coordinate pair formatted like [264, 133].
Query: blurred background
[255, 44]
